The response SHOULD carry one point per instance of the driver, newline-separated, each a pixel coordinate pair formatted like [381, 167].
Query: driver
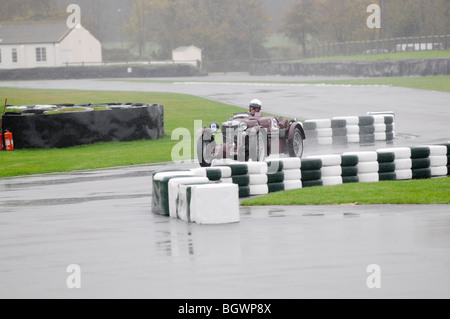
[255, 107]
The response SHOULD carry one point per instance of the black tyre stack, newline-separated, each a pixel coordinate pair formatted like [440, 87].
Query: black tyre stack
[311, 172]
[420, 157]
[386, 163]
[349, 169]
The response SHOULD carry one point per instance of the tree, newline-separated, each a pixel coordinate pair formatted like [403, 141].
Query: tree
[224, 29]
[30, 10]
[300, 23]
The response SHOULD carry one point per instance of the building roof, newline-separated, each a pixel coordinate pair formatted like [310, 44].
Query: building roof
[181, 49]
[33, 33]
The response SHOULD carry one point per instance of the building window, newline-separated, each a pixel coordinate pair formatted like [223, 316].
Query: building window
[14, 56]
[0, 55]
[41, 54]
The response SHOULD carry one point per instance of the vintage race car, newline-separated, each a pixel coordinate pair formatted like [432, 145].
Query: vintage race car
[246, 137]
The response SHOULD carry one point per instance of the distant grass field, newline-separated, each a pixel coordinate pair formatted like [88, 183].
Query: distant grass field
[416, 55]
[180, 112]
[434, 83]
[430, 191]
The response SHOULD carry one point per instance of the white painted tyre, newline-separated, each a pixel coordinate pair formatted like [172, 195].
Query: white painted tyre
[368, 167]
[369, 178]
[258, 179]
[258, 190]
[257, 168]
[401, 164]
[331, 171]
[404, 174]
[292, 174]
[353, 138]
[378, 119]
[325, 141]
[380, 136]
[439, 171]
[380, 128]
[438, 150]
[324, 132]
[352, 129]
[436, 161]
[291, 185]
[332, 180]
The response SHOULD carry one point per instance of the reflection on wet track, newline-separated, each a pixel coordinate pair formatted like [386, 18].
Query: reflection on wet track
[101, 221]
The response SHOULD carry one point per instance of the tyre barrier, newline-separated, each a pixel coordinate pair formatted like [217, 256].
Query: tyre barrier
[350, 129]
[211, 195]
[331, 170]
[311, 172]
[284, 174]
[67, 125]
[367, 166]
[251, 177]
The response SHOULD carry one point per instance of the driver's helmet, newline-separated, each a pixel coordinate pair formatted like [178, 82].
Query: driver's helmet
[255, 105]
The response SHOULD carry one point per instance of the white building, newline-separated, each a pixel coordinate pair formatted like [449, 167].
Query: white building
[191, 55]
[47, 45]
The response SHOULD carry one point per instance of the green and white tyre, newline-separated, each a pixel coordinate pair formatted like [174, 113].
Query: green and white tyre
[291, 185]
[319, 124]
[350, 120]
[404, 174]
[325, 141]
[331, 171]
[324, 132]
[332, 180]
[258, 179]
[438, 171]
[437, 150]
[328, 160]
[368, 178]
[259, 190]
[209, 204]
[353, 138]
[292, 174]
[174, 189]
[368, 167]
[257, 168]
[352, 130]
[380, 136]
[400, 152]
[401, 164]
[228, 180]
[388, 176]
[438, 160]
[364, 156]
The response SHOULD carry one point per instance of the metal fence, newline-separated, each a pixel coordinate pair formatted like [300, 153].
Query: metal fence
[425, 43]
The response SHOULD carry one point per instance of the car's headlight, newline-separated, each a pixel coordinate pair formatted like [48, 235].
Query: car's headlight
[214, 127]
[243, 126]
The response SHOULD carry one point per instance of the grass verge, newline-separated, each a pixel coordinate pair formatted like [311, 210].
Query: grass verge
[180, 112]
[396, 56]
[433, 83]
[430, 191]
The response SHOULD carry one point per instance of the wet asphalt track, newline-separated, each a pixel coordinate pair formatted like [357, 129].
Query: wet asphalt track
[101, 220]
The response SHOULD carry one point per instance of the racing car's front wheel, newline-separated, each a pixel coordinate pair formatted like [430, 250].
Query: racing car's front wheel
[295, 145]
[205, 149]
